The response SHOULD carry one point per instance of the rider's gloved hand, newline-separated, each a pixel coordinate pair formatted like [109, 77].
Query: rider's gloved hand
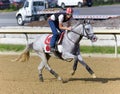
[69, 28]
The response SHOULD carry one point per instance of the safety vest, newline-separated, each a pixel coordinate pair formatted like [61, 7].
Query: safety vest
[64, 17]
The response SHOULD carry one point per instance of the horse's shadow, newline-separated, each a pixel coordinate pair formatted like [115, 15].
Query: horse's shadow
[101, 80]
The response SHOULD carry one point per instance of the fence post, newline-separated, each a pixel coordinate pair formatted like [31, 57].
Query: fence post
[116, 54]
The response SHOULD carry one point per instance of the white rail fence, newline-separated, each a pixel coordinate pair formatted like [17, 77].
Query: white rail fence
[106, 36]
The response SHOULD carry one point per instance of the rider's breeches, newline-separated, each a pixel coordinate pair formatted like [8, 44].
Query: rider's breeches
[54, 27]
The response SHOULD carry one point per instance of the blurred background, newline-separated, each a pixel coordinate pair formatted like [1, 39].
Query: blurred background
[16, 4]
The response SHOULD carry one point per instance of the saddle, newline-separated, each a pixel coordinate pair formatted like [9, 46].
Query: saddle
[57, 44]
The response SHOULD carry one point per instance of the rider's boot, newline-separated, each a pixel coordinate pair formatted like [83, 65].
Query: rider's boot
[52, 49]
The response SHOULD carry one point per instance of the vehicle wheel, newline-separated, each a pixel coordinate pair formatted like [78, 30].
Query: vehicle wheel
[63, 6]
[79, 4]
[46, 17]
[89, 4]
[36, 18]
[20, 21]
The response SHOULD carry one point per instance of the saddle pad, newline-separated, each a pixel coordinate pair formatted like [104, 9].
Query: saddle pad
[47, 43]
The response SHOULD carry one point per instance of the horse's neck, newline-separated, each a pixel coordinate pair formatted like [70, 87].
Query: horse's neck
[74, 37]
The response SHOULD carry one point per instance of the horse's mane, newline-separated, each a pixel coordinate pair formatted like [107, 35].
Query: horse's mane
[74, 26]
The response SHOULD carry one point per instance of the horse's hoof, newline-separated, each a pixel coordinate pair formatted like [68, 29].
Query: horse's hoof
[59, 78]
[72, 72]
[94, 76]
[65, 80]
[41, 78]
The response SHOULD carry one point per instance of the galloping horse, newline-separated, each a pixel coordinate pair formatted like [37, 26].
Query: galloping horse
[70, 49]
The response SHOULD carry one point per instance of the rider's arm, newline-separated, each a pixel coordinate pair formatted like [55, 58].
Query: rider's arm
[68, 23]
[64, 27]
[61, 23]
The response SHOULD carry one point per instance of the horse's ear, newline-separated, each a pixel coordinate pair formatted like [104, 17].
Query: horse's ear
[86, 21]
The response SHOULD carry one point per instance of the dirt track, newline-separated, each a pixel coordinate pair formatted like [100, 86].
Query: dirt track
[22, 78]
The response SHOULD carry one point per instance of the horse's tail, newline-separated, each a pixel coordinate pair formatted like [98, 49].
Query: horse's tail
[25, 55]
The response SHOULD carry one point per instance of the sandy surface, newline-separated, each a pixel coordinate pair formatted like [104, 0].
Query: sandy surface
[22, 78]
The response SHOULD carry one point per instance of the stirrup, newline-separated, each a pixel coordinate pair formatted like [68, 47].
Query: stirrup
[52, 49]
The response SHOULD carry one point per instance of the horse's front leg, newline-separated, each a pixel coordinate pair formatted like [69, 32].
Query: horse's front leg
[74, 66]
[86, 66]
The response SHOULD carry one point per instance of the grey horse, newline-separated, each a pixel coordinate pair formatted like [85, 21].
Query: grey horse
[70, 49]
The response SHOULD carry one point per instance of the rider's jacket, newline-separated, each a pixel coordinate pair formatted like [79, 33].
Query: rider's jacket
[59, 17]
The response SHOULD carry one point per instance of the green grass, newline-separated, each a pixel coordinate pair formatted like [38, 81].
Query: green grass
[15, 48]
[97, 49]
[7, 10]
[83, 49]
[105, 2]
[11, 9]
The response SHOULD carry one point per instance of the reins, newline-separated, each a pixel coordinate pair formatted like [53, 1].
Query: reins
[75, 33]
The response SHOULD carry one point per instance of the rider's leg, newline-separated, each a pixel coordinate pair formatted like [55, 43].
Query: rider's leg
[55, 33]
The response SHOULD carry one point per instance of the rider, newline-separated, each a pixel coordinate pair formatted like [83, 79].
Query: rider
[56, 23]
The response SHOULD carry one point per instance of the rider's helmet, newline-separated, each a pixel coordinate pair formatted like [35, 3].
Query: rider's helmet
[69, 10]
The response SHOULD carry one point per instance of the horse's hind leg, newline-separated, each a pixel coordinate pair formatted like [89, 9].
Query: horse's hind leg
[86, 66]
[51, 70]
[44, 63]
[55, 74]
[41, 65]
[40, 68]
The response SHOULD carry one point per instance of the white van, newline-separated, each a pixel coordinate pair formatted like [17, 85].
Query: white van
[64, 3]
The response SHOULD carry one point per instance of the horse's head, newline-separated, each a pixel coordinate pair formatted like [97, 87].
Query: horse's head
[79, 30]
[88, 31]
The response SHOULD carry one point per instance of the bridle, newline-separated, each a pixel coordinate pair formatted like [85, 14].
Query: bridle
[84, 31]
